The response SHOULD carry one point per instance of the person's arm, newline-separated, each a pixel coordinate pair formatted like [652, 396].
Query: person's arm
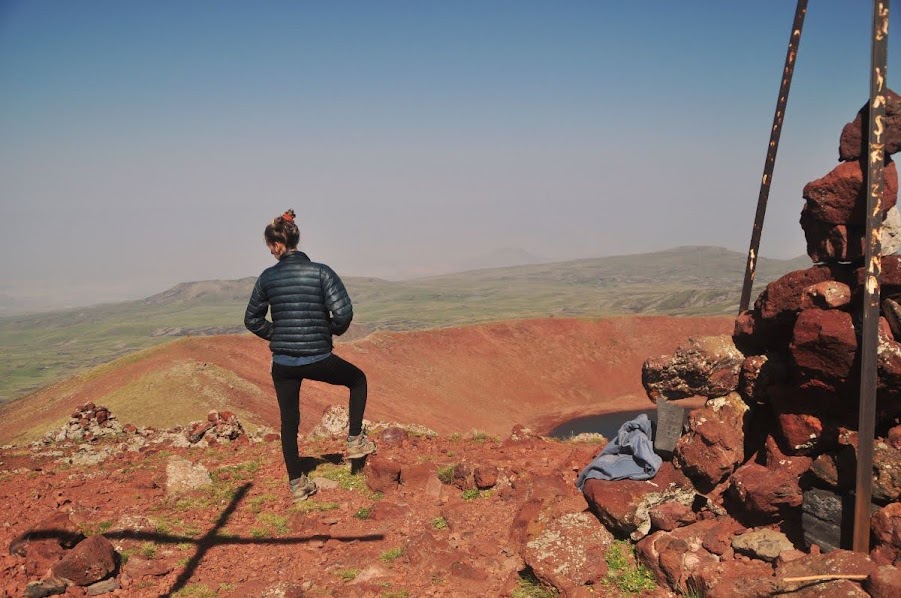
[255, 314]
[337, 301]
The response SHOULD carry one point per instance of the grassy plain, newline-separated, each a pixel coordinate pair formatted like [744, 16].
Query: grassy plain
[42, 348]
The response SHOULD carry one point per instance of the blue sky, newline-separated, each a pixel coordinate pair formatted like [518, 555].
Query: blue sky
[144, 144]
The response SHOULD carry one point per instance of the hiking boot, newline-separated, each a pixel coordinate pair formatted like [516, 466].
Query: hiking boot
[302, 488]
[359, 446]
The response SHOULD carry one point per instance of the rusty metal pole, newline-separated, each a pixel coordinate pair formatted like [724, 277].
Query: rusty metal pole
[793, 41]
[875, 158]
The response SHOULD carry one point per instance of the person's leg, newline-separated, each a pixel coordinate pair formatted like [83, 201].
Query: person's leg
[335, 370]
[287, 391]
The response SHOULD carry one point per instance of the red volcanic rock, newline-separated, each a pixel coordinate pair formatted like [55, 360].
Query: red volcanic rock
[485, 476]
[735, 579]
[706, 366]
[744, 337]
[714, 444]
[463, 477]
[670, 515]
[840, 197]
[829, 294]
[887, 473]
[778, 305]
[382, 474]
[894, 437]
[44, 544]
[197, 430]
[890, 279]
[836, 562]
[431, 552]
[718, 539]
[884, 582]
[91, 560]
[832, 242]
[853, 141]
[393, 435]
[764, 494]
[623, 505]
[673, 557]
[824, 344]
[886, 526]
[138, 566]
[781, 300]
[569, 552]
[776, 459]
[758, 374]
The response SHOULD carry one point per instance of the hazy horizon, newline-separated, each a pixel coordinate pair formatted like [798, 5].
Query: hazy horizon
[147, 144]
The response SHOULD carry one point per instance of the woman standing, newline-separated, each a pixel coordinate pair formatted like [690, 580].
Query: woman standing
[309, 304]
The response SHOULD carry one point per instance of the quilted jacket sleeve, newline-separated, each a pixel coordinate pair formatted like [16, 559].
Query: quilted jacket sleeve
[255, 314]
[337, 301]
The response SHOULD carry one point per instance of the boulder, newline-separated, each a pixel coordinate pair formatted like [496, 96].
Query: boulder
[670, 515]
[706, 366]
[840, 197]
[853, 141]
[886, 526]
[758, 374]
[764, 544]
[485, 476]
[382, 474]
[824, 344]
[714, 444]
[829, 294]
[884, 582]
[837, 562]
[734, 579]
[832, 242]
[569, 552]
[183, 476]
[764, 494]
[674, 557]
[92, 560]
[778, 305]
[623, 505]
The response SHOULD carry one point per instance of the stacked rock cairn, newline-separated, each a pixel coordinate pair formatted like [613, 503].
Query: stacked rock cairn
[775, 445]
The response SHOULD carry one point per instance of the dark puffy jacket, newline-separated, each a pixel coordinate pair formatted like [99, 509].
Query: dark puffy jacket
[309, 304]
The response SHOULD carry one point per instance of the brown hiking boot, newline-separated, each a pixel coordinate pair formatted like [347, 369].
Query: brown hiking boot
[359, 446]
[302, 488]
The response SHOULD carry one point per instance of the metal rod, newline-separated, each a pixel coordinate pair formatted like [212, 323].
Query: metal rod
[793, 41]
[875, 158]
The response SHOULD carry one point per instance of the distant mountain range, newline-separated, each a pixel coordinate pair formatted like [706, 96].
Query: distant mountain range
[42, 348]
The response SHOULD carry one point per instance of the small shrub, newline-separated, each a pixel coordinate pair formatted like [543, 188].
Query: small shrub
[196, 590]
[148, 549]
[455, 437]
[439, 523]
[347, 574]
[391, 555]
[277, 523]
[471, 494]
[363, 513]
[530, 587]
[480, 436]
[624, 572]
[446, 474]
[309, 506]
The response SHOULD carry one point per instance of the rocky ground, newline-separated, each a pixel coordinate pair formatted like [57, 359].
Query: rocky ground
[97, 508]
[191, 513]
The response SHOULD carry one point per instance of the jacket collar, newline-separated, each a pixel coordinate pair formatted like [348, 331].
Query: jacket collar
[294, 256]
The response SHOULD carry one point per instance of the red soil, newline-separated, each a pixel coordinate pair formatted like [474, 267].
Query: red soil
[486, 377]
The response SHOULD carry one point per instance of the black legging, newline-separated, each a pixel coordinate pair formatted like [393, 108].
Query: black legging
[287, 380]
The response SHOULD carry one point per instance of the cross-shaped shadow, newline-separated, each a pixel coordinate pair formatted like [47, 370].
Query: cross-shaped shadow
[207, 541]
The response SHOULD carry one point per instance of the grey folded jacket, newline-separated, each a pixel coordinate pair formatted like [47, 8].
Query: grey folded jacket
[628, 456]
